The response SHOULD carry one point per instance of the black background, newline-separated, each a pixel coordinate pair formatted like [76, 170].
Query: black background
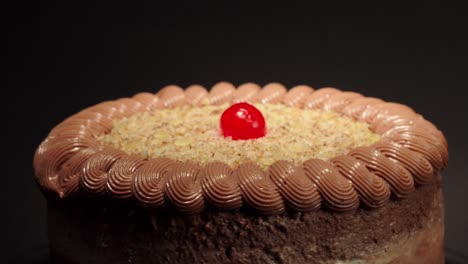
[62, 58]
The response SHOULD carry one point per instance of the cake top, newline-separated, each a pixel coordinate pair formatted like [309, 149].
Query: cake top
[193, 134]
[351, 150]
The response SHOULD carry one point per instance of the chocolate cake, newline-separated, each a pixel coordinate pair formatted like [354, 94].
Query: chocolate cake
[244, 175]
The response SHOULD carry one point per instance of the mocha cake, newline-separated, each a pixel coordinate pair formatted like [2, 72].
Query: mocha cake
[244, 175]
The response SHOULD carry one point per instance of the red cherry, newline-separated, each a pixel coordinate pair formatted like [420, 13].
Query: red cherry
[243, 121]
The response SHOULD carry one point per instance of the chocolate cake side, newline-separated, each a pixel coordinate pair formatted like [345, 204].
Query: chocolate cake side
[105, 231]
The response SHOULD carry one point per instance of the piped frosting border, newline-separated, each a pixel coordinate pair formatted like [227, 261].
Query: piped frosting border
[71, 161]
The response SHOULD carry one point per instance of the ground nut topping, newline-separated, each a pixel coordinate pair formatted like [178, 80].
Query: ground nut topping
[193, 133]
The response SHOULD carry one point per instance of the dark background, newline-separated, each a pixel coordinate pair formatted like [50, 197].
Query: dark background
[62, 58]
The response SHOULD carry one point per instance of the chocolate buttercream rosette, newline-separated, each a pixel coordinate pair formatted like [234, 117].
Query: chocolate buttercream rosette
[410, 152]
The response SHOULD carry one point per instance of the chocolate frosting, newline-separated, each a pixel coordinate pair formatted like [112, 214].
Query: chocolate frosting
[246, 92]
[397, 177]
[121, 174]
[171, 96]
[359, 105]
[183, 189]
[292, 183]
[372, 189]
[297, 95]
[195, 94]
[147, 99]
[220, 187]
[221, 93]
[318, 97]
[337, 101]
[271, 93]
[68, 175]
[258, 190]
[336, 191]
[71, 161]
[148, 182]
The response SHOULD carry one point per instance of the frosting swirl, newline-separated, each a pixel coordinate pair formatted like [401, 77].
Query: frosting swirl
[220, 187]
[258, 190]
[245, 92]
[221, 93]
[183, 189]
[149, 100]
[414, 162]
[337, 101]
[68, 175]
[382, 110]
[171, 96]
[120, 176]
[53, 153]
[271, 93]
[195, 94]
[149, 180]
[424, 147]
[359, 105]
[336, 191]
[398, 178]
[297, 95]
[318, 97]
[408, 134]
[383, 124]
[93, 176]
[372, 190]
[130, 106]
[298, 190]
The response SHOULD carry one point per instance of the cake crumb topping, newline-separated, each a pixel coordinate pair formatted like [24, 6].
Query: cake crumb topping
[193, 133]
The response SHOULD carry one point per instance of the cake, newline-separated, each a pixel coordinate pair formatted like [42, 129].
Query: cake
[332, 177]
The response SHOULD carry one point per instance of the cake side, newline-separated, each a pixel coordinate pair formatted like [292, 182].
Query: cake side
[402, 231]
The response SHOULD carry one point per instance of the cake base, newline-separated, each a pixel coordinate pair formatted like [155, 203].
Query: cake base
[94, 230]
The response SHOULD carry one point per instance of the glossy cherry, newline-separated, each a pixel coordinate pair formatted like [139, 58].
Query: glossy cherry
[243, 121]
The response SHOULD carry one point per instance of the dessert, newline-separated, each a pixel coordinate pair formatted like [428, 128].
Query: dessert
[304, 176]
